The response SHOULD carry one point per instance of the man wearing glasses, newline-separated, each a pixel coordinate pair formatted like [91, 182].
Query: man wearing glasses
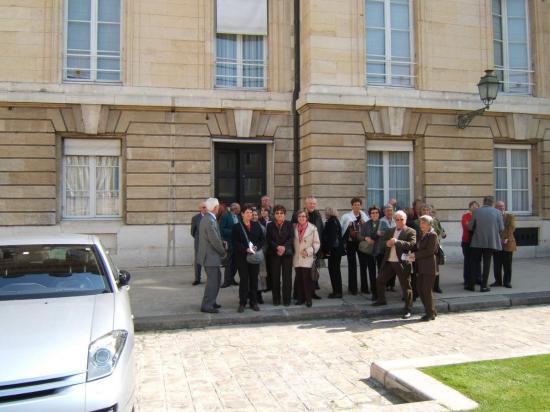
[398, 241]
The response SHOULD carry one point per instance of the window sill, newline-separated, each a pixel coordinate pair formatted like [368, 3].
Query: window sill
[243, 89]
[393, 86]
[94, 82]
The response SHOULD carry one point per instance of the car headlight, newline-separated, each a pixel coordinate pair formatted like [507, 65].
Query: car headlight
[103, 354]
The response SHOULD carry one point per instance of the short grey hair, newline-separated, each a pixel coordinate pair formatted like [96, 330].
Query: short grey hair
[211, 203]
[388, 206]
[488, 200]
[427, 219]
[330, 211]
[401, 213]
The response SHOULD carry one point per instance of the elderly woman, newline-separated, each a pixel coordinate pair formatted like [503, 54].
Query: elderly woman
[440, 232]
[333, 248]
[306, 245]
[370, 231]
[424, 255]
[248, 238]
[280, 241]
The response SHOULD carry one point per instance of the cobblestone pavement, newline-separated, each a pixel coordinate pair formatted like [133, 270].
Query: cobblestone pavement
[318, 365]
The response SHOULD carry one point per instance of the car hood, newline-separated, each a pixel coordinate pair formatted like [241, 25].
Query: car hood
[48, 338]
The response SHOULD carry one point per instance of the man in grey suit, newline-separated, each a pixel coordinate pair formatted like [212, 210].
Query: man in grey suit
[486, 224]
[211, 251]
[195, 222]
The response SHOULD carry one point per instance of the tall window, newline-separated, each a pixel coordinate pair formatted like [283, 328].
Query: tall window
[241, 31]
[513, 177]
[240, 61]
[92, 40]
[389, 42]
[91, 175]
[511, 45]
[389, 175]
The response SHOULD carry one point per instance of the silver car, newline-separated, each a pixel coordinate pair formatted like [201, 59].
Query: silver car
[66, 330]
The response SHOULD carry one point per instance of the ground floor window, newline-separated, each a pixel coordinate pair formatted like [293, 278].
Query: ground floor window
[512, 170]
[91, 178]
[389, 173]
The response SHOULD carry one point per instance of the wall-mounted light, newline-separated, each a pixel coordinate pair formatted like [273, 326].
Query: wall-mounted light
[488, 90]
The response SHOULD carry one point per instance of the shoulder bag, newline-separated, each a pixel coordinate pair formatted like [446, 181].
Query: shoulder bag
[253, 258]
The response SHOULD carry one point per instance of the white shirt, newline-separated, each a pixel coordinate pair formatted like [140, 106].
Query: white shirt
[393, 253]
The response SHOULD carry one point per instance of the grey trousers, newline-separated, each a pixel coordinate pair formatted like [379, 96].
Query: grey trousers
[213, 279]
[196, 265]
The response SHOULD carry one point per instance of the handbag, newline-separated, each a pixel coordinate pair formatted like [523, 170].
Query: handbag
[315, 272]
[365, 248]
[253, 258]
[440, 256]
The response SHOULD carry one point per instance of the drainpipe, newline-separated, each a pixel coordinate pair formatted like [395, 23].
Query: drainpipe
[295, 115]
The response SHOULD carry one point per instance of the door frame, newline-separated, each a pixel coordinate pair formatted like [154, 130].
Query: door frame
[270, 161]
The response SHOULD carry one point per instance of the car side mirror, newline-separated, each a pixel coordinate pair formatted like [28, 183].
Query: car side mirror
[123, 277]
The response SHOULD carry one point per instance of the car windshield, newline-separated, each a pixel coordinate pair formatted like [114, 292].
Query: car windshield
[39, 271]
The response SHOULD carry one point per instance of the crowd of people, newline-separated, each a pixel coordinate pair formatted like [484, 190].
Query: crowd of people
[263, 246]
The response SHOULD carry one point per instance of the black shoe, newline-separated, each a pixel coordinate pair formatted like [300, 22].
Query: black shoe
[427, 318]
[241, 309]
[508, 286]
[255, 308]
[470, 288]
[299, 302]
[197, 282]
[495, 284]
[225, 285]
[406, 315]
[316, 296]
[216, 306]
[378, 303]
[485, 290]
[286, 304]
[308, 304]
[210, 310]
[438, 290]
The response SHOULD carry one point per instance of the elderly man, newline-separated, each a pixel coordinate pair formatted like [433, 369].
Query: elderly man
[195, 222]
[398, 241]
[229, 220]
[486, 224]
[503, 258]
[211, 251]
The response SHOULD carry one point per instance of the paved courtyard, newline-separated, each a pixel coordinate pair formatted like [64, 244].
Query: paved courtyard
[318, 365]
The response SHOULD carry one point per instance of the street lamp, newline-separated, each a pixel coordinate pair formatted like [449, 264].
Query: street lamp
[488, 89]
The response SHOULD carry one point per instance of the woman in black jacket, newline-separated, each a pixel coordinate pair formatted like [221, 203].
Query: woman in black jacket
[243, 233]
[280, 238]
[332, 246]
[370, 232]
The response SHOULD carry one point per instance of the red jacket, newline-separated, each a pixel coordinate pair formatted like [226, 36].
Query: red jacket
[465, 232]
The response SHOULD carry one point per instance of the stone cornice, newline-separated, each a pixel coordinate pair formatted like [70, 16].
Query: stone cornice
[418, 99]
[118, 95]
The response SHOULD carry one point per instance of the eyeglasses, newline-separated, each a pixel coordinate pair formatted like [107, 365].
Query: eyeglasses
[398, 220]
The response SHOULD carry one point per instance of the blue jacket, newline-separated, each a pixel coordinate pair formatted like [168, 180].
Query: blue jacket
[226, 226]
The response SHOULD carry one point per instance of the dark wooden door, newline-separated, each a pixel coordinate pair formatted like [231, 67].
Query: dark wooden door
[240, 172]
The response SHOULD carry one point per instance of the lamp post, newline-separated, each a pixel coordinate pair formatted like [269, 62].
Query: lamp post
[488, 89]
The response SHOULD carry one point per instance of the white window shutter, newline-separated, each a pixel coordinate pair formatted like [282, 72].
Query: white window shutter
[241, 17]
[91, 147]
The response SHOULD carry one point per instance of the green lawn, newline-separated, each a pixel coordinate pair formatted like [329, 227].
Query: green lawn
[519, 384]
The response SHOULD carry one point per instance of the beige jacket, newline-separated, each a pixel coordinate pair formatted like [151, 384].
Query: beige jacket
[310, 243]
[508, 233]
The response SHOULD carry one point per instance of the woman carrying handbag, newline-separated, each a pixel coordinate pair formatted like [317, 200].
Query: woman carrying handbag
[306, 245]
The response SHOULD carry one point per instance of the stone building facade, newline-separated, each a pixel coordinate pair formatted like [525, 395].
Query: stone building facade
[123, 136]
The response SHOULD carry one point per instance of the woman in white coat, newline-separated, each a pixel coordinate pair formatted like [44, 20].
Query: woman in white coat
[306, 245]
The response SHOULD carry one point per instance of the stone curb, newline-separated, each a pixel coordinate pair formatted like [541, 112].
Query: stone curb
[404, 379]
[346, 310]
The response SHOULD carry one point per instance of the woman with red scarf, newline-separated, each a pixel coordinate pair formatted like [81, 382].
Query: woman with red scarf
[306, 245]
